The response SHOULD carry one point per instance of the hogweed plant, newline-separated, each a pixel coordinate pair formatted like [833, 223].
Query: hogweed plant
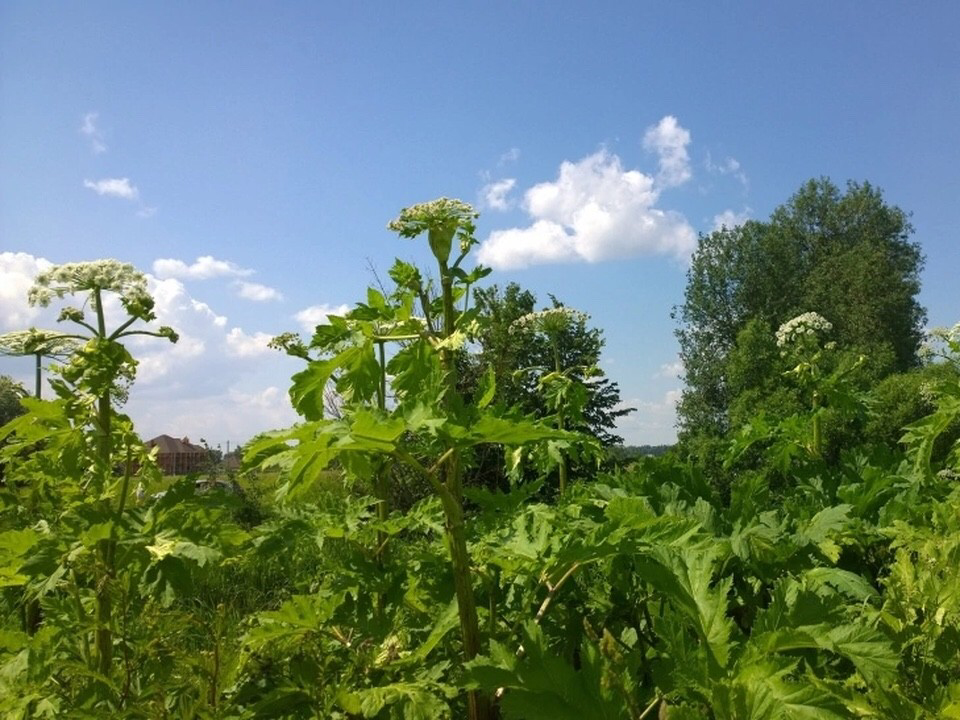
[405, 410]
[801, 340]
[566, 395]
[89, 447]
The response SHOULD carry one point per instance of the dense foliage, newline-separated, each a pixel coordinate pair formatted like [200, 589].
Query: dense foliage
[828, 589]
[847, 256]
[10, 394]
[520, 353]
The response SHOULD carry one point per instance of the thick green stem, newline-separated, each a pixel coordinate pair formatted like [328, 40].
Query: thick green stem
[562, 468]
[817, 426]
[39, 378]
[103, 641]
[81, 618]
[478, 702]
[31, 606]
[380, 479]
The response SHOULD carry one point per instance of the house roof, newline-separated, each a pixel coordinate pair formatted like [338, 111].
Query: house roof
[172, 445]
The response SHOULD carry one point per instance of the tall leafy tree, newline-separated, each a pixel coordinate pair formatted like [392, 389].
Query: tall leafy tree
[846, 255]
[10, 393]
[510, 349]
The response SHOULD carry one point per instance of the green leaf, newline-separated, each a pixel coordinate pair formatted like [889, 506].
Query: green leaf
[376, 432]
[487, 388]
[543, 686]
[843, 581]
[308, 387]
[685, 575]
[418, 700]
[298, 618]
[447, 621]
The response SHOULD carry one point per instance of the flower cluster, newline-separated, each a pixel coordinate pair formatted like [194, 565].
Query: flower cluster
[551, 321]
[941, 342]
[809, 324]
[69, 278]
[416, 219]
[44, 342]
[443, 220]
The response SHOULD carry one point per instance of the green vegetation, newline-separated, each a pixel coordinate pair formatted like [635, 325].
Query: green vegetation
[11, 392]
[808, 571]
[845, 256]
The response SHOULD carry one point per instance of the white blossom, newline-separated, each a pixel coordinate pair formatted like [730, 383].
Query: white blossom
[418, 218]
[808, 324]
[550, 321]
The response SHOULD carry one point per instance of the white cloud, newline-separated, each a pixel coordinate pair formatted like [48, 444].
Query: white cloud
[90, 130]
[155, 363]
[146, 212]
[494, 195]
[729, 166]
[315, 315]
[594, 211]
[256, 291]
[223, 419]
[510, 156]
[239, 344]
[17, 271]
[113, 187]
[654, 421]
[670, 370]
[204, 268]
[669, 141]
[204, 309]
[730, 219]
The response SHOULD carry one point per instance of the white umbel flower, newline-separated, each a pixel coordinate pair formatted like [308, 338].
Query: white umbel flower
[550, 321]
[807, 325]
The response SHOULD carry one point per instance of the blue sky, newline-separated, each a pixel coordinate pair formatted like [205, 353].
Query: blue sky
[276, 140]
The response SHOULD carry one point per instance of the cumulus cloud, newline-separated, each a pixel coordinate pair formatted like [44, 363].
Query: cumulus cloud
[730, 219]
[670, 370]
[158, 363]
[204, 268]
[594, 211]
[17, 271]
[220, 420]
[239, 344]
[669, 141]
[654, 421]
[494, 195]
[315, 315]
[90, 130]
[256, 291]
[114, 187]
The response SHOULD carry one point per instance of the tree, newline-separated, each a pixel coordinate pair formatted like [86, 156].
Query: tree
[846, 256]
[10, 393]
[510, 349]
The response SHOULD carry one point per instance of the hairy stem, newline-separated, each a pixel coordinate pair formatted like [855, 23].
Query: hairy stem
[103, 640]
[817, 426]
[562, 468]
[380, 479]
[478, 702]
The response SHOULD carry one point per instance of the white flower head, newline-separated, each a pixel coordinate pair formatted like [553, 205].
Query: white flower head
[99, 275]
[809, 324]
[443, 220]
[551, 321]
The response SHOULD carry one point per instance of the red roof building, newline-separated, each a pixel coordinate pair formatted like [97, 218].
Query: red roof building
[178, 456]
